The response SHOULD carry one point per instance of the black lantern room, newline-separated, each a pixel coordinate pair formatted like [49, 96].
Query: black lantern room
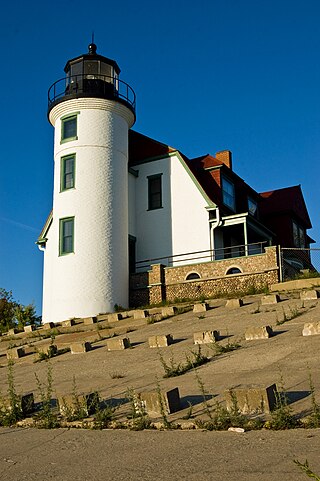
[91, 75]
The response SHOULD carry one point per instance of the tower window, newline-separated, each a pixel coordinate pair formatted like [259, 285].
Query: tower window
[68, 164]
[69, 128]
[66, 236]
[154, 192]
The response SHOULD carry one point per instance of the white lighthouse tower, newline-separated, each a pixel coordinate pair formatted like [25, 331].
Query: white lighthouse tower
[85, 239]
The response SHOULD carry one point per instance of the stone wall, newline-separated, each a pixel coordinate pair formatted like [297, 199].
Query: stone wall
[138, 289]
[170, 284]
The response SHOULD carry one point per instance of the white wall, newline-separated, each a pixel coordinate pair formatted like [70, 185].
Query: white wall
[190, 219]
[181, 225]
[132, 204]
[95, 277]
[153, 227]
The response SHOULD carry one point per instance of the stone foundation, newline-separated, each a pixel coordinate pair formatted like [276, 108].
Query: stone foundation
[169, 284]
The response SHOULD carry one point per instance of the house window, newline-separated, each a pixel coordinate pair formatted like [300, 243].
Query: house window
[154, 192]
[66, 236]
[252, 207]
[69, 128]
[299, 239]
[67, 180]
[228, 195]
[192, 275]
[233, 270]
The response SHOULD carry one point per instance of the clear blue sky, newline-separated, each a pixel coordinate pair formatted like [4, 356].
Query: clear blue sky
[242, 75]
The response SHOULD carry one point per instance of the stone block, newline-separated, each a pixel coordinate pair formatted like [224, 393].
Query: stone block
[270, 299]
[234, 303]
[201, 307]
[169, 311]
[153, 401]
[50, 350]
[140, 314]
[103, 317]
[30, 328]
[160, 341]
[25, 402]
[12, 332]
[252, 399]
[79, 347]
[206, 337]
[72, 405]
[118, 344]
[311, 295]
[15, 353]
[29, 350]
[116, 316]
[68, 323]
[48, 325]
[311, 329]
[254, 333]
[89, 320]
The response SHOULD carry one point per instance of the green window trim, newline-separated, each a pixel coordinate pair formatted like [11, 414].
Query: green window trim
[67, 172]
[69, 127]
[66, 236]
[155, 192]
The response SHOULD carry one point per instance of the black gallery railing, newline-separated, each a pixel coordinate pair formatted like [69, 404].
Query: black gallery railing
[103, 86]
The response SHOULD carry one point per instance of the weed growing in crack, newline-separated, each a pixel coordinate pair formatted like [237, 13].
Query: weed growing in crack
[46, 418]
[305, 468]
[116, 375]
[292, 314]
[282, 416]
[103, 417]
[219, 349]
[189, 413]
[77, 409]
[313, 421]
[10, 408]
[166, 423]
[172, 369]
[138, 415]
[204, 394]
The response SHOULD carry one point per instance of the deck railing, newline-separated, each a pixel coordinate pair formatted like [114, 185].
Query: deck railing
[204, 256]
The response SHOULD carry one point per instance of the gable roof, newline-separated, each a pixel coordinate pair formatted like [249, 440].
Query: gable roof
[206, 170]
[143, 148]
[286, 200]
[42, 239]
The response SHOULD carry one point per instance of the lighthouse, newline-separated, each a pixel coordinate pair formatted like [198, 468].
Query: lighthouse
[85, 239]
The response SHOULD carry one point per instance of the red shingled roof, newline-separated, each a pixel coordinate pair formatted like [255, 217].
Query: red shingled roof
[288, 199]
[142, 147]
